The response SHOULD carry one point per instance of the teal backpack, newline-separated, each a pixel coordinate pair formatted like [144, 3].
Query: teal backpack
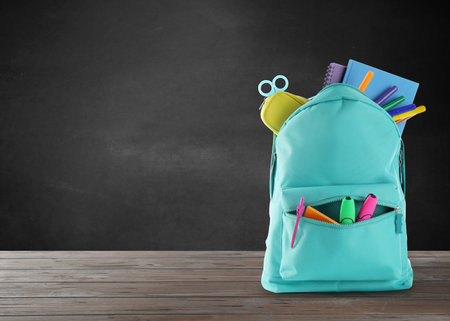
[338, 144]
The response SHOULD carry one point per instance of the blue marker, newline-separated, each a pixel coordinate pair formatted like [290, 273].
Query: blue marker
[401, 110]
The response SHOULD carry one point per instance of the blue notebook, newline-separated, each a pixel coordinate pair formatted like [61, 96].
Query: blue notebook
[381, 81]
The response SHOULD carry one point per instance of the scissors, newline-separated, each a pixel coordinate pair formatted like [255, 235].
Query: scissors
[273, 87]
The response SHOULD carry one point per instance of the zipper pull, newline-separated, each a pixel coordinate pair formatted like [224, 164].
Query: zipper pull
[272, 163]
[271, 180]
[401, 165]
[398, 220]
[260, 106]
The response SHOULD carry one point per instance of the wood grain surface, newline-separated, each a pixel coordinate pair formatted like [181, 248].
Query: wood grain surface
[196, 285]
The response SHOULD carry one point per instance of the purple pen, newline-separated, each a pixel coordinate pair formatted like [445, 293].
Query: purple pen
[388, 93]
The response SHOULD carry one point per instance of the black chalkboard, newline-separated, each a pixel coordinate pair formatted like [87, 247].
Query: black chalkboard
[135, 124]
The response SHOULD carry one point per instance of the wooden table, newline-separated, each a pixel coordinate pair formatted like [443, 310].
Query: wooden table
[194, 285]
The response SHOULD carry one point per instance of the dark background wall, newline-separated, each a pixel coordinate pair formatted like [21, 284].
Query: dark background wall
[135, 124]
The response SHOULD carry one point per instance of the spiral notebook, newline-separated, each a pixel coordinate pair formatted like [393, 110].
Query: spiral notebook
[335, 73]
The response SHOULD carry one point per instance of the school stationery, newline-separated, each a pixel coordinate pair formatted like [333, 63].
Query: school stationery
[380, 82]
[278, 105]
[366, 81]
[393, 103]
[318, 216]
[347, 213]
[310, 158]
[410, 114]
[400, 110]
[300, 211]
[367, 208]
[335, 73]
[273, 86]
[388, 93]
[403, 120]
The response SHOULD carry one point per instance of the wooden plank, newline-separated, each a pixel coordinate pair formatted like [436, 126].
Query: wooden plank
[143, 275]
[167, 263]
[141, 289]
[290, 305]
[417, 257]
[196, 285]
[132, 263]
[129, 275]
[125, 254]
[431, 273]
[438, 255]
[234, 317]
[421, 289]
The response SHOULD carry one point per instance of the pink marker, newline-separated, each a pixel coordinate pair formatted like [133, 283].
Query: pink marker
[367, 208]
[300, 211]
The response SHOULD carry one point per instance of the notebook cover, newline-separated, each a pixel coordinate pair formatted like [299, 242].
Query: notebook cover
[335, 73]
[381, 81]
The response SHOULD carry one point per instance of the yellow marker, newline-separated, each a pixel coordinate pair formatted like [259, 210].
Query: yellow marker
[366, 81]
[409, 114]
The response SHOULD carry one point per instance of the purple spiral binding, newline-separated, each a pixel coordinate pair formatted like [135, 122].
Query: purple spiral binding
[335, 73]
[328, 75]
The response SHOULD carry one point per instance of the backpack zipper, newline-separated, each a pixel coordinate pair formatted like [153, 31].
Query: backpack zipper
[355, 197]
[400, 162]
[398, 220]
[402, 166]
[396, 208]
[272, 167]
[370, 102]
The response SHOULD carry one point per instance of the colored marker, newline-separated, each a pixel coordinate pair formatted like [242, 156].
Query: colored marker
[366, 81]
[367, 209]
[300, 210]
[314, 214]
[347, 214]
[410, 114]
[388, 93]
[393, 103]
[401, 110]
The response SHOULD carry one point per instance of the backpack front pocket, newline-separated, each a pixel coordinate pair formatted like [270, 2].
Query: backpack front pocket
[368, 250]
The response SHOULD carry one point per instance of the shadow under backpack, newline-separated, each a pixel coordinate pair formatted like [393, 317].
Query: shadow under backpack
[338, 144]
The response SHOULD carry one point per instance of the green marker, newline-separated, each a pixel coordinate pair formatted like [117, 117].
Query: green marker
[347, 214]
[393, 103]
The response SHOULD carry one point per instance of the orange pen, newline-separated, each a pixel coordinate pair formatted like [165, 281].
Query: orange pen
[402, 120]
[366, 81]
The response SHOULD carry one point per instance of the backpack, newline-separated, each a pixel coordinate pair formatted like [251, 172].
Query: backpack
[338, 144]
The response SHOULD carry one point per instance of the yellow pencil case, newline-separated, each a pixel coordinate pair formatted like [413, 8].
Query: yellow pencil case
[278, 107]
